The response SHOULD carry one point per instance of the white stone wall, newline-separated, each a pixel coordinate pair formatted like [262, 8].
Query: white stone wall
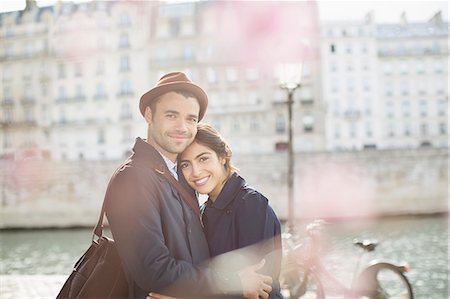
[332, 185]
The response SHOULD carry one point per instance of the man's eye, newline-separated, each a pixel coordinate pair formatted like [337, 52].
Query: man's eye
[193, 120]
[183, 165]
[170, 115]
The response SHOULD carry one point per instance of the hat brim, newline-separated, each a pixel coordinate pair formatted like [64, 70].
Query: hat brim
[155, 92]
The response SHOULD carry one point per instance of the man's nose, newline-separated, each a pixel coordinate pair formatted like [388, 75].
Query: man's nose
[181, 125]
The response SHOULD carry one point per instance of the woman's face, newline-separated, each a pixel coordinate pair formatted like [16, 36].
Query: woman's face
[203, 169]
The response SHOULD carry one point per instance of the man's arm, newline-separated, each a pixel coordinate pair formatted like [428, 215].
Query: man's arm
[133, 212]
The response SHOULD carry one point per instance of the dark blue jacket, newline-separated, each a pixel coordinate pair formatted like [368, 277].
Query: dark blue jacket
[241, 216]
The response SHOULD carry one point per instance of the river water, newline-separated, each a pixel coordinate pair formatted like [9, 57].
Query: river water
[420, 242]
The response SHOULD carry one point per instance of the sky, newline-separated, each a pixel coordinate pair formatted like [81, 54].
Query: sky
[384, 11]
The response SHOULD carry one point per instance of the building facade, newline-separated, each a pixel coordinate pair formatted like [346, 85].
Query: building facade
[386, 85]
[72, 75]
[100, 57]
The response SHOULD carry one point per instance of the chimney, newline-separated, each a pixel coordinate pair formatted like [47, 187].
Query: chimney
[30, 4]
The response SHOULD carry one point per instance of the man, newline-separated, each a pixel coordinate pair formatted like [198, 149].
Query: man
[158, 233]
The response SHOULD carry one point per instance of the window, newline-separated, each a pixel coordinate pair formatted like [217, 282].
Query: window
[424, 129]
[420, 68]
[29, 50]
[388, 88]
[7, 51]
[403, 68]
[404, 87]
[406, 107]
[442, 107]
[421, 88]
[387, 69]
[252, 74]
[174, 27]
[125, 88]
[254, 124]
[100, 91]
[235, 125]
[61, 71]
[308, 123]
[440, 87]
[125, 112]
[280, 124]
[348, 49]
[61, 94]
[7, 115]
[100, 67]
[124, 63]
[29, 115]
[188, 53]
[332, 48]
[124, 19]
[126, 134]
[438, 67]
[423, 109]
[124, 41]
[78, 70]
[211, 74]
[161, 55]
[231, 74]
[443, 128]
[352, 130]
[337, 132]
[79, 93]
[101, 136]
[407, 130]
[369, 132]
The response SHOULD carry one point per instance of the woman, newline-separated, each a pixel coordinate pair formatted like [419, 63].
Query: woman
[235, 215]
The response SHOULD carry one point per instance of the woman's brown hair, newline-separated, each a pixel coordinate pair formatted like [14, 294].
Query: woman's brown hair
[209, 137]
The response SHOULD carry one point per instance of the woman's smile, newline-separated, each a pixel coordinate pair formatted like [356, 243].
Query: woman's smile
[201, 182]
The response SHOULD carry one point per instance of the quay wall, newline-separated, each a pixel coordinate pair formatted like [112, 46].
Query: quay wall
[44, 193]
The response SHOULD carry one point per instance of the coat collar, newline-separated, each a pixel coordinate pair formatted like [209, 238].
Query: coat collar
[229, 191]
[148, 155]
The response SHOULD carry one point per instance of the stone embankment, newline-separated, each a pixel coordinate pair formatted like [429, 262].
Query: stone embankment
[37, 193]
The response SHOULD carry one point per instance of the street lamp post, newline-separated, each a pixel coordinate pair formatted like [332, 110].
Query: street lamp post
[290, 79]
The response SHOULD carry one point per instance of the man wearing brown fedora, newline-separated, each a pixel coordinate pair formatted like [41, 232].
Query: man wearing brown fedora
[154, 220]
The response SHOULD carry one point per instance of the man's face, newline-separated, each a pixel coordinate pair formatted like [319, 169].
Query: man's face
[173, 126]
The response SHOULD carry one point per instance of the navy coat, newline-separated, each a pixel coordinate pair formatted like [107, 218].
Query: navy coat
[159, 238]
[239, 217]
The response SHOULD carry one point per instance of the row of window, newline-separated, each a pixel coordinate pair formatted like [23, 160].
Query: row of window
[353, 131]
[437, 66]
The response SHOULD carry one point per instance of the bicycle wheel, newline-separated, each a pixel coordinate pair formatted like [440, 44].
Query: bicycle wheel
[383, 281]
[300, 282]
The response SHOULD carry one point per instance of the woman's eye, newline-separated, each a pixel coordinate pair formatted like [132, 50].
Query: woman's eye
[203, 159]
[183, 165]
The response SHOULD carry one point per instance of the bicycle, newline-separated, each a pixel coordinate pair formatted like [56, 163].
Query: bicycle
[304, 275]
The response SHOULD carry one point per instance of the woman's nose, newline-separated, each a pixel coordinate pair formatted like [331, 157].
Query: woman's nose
[196, 170]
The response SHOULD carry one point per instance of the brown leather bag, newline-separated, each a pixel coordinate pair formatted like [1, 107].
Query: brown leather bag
[98, 273]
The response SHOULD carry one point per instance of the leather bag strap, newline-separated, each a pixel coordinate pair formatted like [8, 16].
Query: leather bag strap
[192, 203]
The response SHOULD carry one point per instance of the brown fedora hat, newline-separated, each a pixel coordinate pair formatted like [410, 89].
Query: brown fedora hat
[173, 82]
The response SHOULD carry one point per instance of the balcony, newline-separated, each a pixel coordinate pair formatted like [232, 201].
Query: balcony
[7, 102]
[28, 101]
[352, 114]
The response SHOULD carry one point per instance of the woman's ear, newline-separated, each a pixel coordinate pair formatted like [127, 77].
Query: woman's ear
[223, 161]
